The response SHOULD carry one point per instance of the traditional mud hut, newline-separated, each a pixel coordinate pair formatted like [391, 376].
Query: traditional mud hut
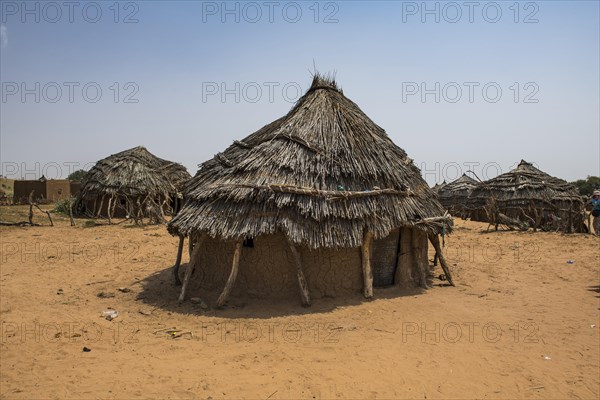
[133, 182]
[527, 197]
[453, 196]
[320, 199]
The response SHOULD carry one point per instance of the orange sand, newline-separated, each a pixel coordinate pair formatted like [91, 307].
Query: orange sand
[521, 323]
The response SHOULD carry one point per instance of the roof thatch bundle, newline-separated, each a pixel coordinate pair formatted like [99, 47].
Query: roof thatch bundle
[531, 196]
[137, 176]
[453, 196]
[323, 175]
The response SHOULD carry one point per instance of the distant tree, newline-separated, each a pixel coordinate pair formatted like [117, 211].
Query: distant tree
[77, 175]
[588, 185]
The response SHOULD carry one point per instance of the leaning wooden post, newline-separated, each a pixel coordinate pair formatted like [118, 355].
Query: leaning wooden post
[232, 276]
[100, 209]
[108, 210]
[30, 199]
[418, 237]
[366, 264]
[304, 293]
[435, 241]
[178, 261]
[188, 271]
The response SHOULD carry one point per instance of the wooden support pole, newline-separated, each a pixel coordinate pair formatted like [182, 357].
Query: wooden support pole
[189, 270]
[419, 240]
[178, 260]
[108, 210]
[403, 276]
[304, 293]
[232, 276]
[435, 241]
[115, 201]
[100, 209]
[366, 264]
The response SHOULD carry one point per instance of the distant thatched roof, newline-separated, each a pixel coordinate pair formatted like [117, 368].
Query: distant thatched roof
[456, 192]
[523, 184]
[321, 174]
[438, 186]
[134, 172]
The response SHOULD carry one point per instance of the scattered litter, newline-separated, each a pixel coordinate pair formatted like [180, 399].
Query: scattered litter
[124, 289]
[105, 295]
[174, 333]
[536, 388]
[110, 314]
[86, 349]
[59, 291]
[592, 326]
[442, 277]
[570, 262]
[144, 312]
[547, 358]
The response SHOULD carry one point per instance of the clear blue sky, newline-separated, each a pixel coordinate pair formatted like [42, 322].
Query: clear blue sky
[177, 52]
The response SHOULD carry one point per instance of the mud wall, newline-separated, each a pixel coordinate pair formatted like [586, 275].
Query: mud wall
[267, 269]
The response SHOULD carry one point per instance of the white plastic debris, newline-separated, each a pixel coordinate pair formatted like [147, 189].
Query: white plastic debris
[110, 314]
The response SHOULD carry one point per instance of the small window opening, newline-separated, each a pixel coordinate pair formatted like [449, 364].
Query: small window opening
[248, 242]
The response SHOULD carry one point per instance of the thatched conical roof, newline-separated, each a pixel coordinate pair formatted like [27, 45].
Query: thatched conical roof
[457, 191]
[134, 172]
[321, 174]
[525, 183]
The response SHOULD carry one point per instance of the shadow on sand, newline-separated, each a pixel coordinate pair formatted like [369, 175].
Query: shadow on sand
[159, 291]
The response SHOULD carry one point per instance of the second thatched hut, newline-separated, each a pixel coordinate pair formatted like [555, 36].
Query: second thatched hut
[320, 202]
[453, 196]
[132, 183]
[529, 198]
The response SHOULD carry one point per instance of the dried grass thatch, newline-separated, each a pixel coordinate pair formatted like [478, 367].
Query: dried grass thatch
[322, 174]
[453, 196]
[137, 176]
[531, 196]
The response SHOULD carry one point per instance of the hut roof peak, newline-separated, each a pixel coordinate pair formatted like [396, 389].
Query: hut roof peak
[321, 174]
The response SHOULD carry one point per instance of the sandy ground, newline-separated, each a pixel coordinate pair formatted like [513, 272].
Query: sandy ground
[522, 322]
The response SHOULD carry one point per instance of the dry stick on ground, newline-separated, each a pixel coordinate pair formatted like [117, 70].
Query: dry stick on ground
[304, 293]
[190, 269]
[435, 241]
[178, 260]
[366, 264]
[232, 276]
